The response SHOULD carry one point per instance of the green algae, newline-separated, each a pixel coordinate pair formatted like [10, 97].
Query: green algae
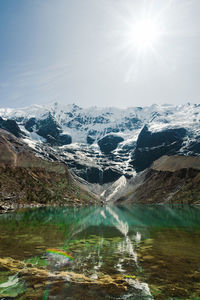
[130, 276]
[12, 287]
[36, 261]
[160, 247]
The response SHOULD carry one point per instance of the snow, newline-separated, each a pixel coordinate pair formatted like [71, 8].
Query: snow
[98, 122]
[32, 139]
[101, 120]
[114, 189]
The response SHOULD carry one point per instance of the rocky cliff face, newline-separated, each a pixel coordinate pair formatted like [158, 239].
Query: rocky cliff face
[102, 144]
[28, 179]
[152, 145]
[170, 179]
[11, 126]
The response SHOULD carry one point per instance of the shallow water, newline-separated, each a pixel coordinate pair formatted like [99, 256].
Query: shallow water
[154, 251]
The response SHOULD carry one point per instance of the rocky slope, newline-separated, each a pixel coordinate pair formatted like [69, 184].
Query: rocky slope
[170, 179]
[102, 144]
[28, 179]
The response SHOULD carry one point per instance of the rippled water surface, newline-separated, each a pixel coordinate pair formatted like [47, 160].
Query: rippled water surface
[110, 252]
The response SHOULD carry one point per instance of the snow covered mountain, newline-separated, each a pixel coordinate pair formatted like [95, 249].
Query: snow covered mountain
[102, 144]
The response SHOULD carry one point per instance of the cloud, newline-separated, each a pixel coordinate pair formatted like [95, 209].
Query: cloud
[28, 82]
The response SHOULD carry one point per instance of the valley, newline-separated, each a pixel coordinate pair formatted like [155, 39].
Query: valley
[108, 151]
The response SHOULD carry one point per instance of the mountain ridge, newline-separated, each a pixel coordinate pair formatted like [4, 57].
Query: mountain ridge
[26, 179]
[102, 144]
[170, 179]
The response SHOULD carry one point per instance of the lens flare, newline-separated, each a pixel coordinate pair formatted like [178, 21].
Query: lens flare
[59, 252]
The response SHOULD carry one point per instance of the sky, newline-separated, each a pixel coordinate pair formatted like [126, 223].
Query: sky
[99, 52]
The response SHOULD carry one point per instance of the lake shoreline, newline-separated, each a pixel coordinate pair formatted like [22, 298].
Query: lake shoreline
[7, 207]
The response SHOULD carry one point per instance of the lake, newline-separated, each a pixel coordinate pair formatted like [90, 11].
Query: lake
[101, 252]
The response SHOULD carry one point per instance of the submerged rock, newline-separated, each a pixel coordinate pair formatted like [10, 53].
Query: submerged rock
[114, 285]
[58, 258]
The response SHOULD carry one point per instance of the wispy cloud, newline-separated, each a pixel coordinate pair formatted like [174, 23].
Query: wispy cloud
[27, 81]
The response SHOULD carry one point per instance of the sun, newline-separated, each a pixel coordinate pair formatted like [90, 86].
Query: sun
[140, 36]
[145, 34]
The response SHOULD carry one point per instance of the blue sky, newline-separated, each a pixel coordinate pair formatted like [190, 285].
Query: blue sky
[83, 52]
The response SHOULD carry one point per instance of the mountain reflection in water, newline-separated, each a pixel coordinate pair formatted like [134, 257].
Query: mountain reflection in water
[139, 244]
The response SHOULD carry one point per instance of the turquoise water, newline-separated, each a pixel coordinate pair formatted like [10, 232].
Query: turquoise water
[127, 252]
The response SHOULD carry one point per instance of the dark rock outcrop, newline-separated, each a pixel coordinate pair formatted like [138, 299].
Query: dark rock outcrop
[90, 140]
[152, 145]
[109, 143]
[30, 124]
[91, 174]
[110, 175]
[11, 126]
[63, 139]
[49, 129]
[95, 174]
[194, 147]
